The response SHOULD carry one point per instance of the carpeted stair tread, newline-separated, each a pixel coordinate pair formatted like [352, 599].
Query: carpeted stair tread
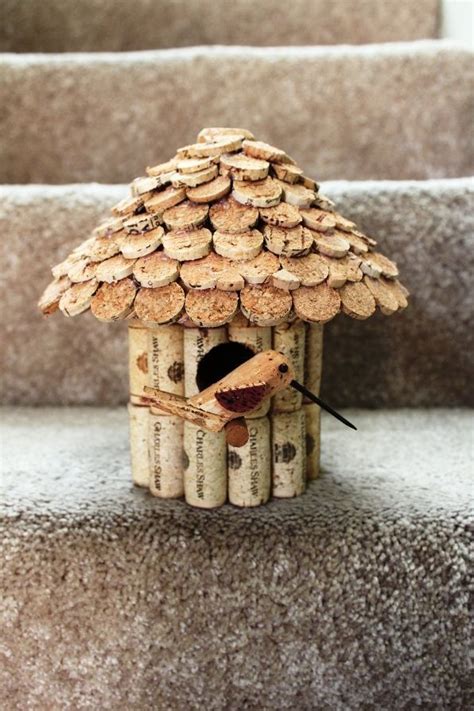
[343, 112]
[352, 596]
[420, 357]
[78, 25]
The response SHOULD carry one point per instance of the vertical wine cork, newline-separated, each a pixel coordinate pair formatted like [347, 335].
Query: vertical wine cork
[166, 359]
[198, 342]
[313, 439]
[249, 467]
[289, 339]
[258, 339]
[205, 467]
[313, 357]
[138, 422]
[137, 360]
[288, 454]
[165, 445]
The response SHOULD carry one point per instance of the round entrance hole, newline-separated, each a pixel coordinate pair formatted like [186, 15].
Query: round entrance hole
[220, 361]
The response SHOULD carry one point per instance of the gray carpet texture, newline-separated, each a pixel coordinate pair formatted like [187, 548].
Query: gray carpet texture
[353, 596]
[78, 25]
[104, 117]
[420, 357]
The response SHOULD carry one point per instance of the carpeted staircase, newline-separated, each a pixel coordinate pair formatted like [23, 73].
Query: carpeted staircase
[353, 597]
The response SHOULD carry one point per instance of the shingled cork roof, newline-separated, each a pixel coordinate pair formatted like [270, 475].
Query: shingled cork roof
[229, 223]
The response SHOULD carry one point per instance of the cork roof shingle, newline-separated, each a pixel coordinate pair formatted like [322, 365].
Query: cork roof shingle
[229, 223]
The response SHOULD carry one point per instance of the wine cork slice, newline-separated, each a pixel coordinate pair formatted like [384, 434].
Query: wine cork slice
[338, 271]
[166, 359]
[195, 165]
[357, 241]
[297, 194]
[354, 272]
[249, 467]
[287, 172]
[192, 180]
[107, 228]
[83, 270]
[114, 269]
[258, 269]
[242, 245]
[167, 167]
[316, 303]
[203, 273]
[128, 206]
[357, 301]
[211, 307]
[257, 339]
[137, 359]
[211, 191]
[187, 244]
[281, 215]
[343, 223]
[205, 467]
[324, 203]
[101, 248]
[283, 279]
[365, 238]
[331, 245]
[398, 291]
[156, 270]
[134, 246]
[310, 270]
[159, 306]
[138, 427]
[145, 185]
[242, 167]
[384, 298]
[78, 297]
[62, 269]
[222, 144]
[230, 280]
[228, 215]
[313, 362]
[309, 183]
[49, 300]
[265, 305]
[375, 265]
[288, 454]
[292, 242]
[112, 302]
[313, 440]
[259, 193]
[81, 249]
[198, 342]
[264, 151]
[144, 222]
[318, 220]
[207, 135]
[164, 200]
[289, 339]
[165, 439]
[185, 216]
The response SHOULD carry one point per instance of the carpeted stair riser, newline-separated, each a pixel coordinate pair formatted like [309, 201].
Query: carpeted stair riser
[353, 596]
[420, 357]
[104, 117]
[118, 25]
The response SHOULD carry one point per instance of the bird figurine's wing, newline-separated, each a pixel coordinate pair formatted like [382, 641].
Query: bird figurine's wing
[180, 406]
[243, 398]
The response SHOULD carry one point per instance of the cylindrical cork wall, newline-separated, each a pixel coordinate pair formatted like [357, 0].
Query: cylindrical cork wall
[174, 458]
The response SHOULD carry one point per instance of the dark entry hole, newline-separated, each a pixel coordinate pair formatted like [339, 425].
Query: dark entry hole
[220, 361]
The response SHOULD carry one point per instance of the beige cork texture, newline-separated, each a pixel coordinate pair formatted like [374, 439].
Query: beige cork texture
[249, 467]
[138, 423]
[289, 339]
[166, 359]
[205, 467]
[313, 363]
[258, 339]
[288, 454]
[165, 446]
[198, 342]
[137, 359]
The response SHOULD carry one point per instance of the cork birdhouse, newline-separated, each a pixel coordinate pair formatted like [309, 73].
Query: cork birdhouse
[224, 252]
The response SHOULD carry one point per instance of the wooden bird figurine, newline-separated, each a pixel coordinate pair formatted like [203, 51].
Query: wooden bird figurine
[224, 404]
